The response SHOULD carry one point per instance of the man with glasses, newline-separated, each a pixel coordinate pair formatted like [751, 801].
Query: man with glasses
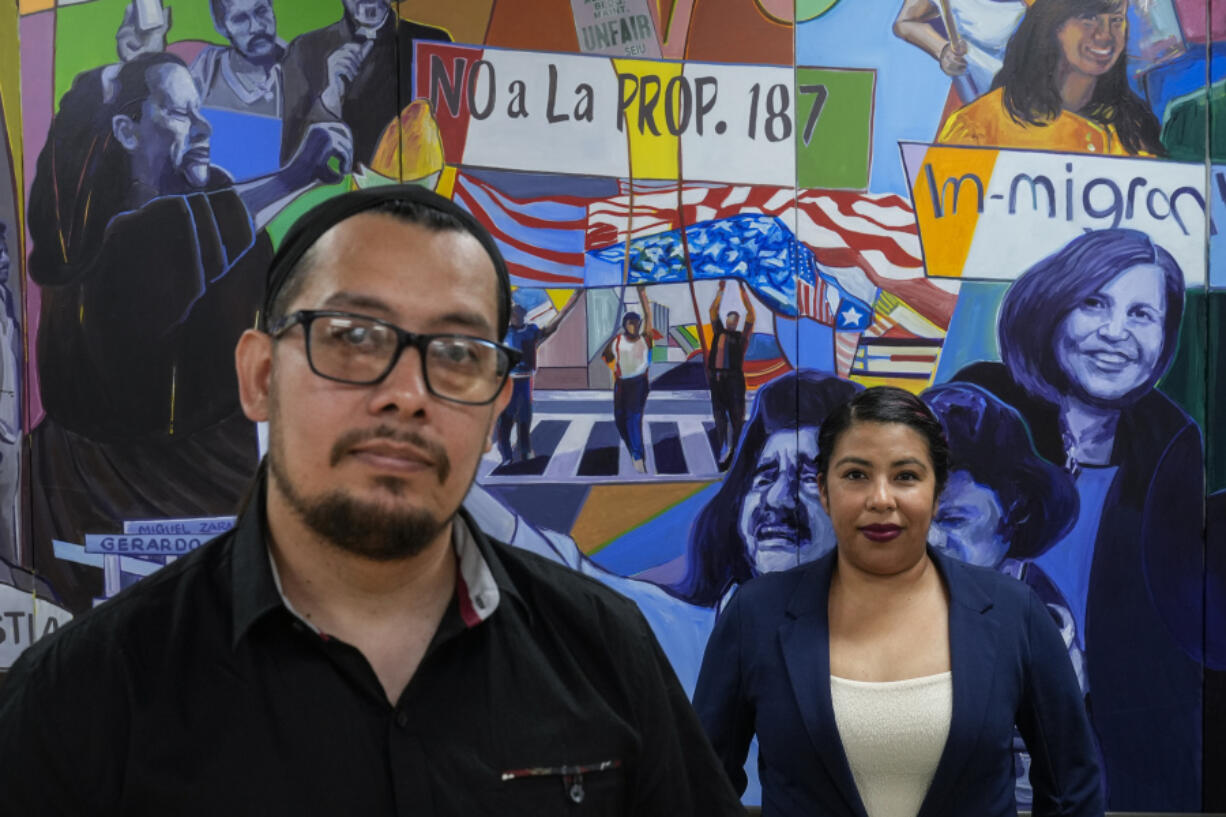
[357, 645]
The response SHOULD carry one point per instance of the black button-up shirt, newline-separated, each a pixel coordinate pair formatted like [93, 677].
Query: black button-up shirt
[198, 691]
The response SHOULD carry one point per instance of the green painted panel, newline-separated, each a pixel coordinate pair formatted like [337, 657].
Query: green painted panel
[834, 127]
[85, 32]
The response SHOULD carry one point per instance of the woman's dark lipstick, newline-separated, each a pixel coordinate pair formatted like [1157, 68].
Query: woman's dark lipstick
[880, 533]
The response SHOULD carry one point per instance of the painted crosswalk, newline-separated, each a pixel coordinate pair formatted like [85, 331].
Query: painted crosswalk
[585, 448]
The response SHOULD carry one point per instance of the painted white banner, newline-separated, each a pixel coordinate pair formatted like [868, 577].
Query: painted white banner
[1016, 207]
[23, 620]
[599, 116]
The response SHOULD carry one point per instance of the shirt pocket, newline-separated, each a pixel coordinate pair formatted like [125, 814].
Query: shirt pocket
[596, 788]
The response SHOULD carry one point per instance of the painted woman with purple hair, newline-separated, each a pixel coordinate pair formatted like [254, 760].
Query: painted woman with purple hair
[1085, 334]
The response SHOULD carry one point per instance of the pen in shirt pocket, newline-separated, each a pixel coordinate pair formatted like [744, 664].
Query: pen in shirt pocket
[571, 776]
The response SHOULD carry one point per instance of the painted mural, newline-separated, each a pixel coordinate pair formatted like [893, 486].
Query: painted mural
[722, 218]
[22, 591]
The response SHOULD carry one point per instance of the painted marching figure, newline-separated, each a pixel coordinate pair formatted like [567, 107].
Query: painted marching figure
[726, 367]
[524, 337]
[630, 353]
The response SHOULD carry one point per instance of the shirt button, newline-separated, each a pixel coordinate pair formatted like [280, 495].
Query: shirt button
[402, 719]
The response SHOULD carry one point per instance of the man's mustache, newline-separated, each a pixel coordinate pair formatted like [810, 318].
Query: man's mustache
[793, 521]
[357, 436]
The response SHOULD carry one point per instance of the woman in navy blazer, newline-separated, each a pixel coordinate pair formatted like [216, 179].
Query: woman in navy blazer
[767, 668]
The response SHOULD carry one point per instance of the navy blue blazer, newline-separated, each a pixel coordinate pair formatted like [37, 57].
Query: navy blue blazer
[767, 672]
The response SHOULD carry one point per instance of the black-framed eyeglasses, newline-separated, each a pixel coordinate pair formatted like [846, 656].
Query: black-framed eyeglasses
[362, 350]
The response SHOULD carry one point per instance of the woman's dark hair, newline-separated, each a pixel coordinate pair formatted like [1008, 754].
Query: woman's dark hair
[716, 556]
[1038, 301]
[991, 442]
[1029, 77]
[886, 404]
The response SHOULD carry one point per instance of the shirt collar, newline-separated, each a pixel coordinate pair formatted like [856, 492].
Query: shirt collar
[357, 31]
[481, 581]
[476, 588]
[250, 91]
[490, 568]
[255, 589]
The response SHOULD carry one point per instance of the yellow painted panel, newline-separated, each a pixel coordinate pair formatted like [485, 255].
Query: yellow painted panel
[947, 180]
[654, 151]
[446, 181]
[559, 297]
[10, 103]
[32, 6]
[911, 384]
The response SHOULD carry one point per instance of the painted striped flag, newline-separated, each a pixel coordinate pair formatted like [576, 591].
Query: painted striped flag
[896, 319]
[542, 239]
[820, 296]
[856, 245]
[880, 227]
[853, 247]
[817, 301]
[845, 346]
[848, 315]
[845, 230]
[913, 358]
[647, 208]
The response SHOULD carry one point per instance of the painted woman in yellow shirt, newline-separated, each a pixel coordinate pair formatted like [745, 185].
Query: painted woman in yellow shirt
[1063, 86]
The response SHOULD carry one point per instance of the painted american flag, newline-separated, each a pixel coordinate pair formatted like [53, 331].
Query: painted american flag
[863, 243]
[542, 239]
[817, 300]
[837, 225]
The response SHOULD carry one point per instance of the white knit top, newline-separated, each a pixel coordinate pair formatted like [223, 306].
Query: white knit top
[893, 733]
[632, 356]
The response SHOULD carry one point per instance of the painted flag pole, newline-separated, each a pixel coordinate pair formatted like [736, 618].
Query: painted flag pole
[963, 82]
[689, 269]
[951, 27]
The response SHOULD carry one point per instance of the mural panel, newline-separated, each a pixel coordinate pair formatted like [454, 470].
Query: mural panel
[27, 611]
